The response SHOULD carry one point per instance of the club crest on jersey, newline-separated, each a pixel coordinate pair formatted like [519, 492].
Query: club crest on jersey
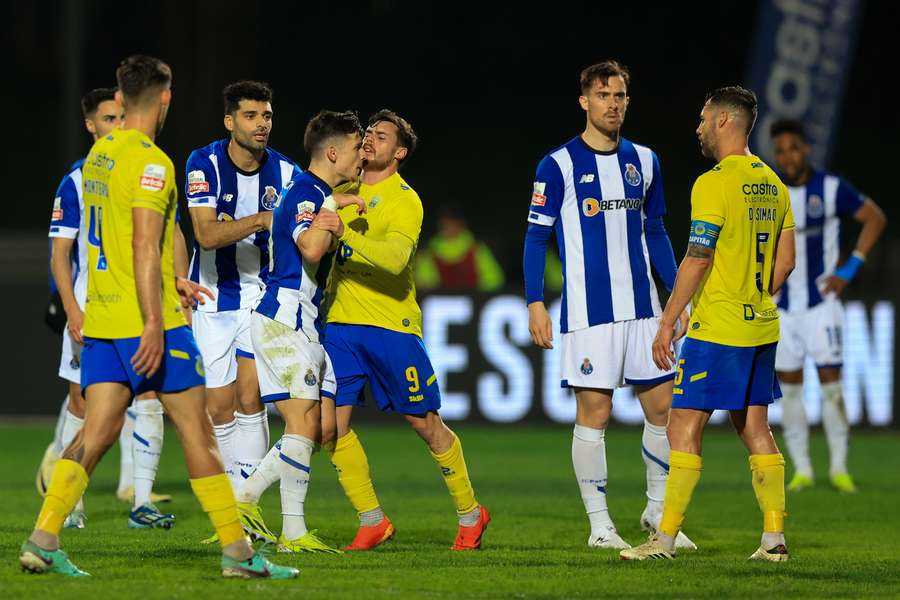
[270, 198]
[153, 178]
[537, 195]
[632, 175]
[198, 366]
[586, 367]
[75, 363]
[815, 208]
[309, 378]
[374, 201]
[587, 178]
[197, 182]
[227, 197]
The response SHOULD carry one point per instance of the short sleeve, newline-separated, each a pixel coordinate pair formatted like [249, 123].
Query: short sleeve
[65, 218]
[201, 183]
[547, 193]
[848, 200]
[655, 202]
[707, 200]
[154, 184]
[301, 205]
[788, 223]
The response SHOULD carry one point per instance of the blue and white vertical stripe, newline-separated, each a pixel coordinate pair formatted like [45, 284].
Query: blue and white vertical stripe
[597, 203]
[817, 208]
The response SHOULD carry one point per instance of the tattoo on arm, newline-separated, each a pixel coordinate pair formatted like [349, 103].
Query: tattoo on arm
[697, 251]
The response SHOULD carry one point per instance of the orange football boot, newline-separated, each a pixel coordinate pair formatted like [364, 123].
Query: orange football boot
[469, 538]
[369, 537]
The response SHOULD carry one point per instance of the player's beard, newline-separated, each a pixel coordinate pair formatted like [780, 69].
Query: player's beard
[248, 145]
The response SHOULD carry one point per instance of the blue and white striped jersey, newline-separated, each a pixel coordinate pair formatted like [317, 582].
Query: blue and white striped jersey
[598, 203]
[236, 273]
[292, 294]
[65, 222]
[818, 207]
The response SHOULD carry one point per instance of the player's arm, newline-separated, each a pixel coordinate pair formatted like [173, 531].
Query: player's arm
[546, 200]
[659, 247]
[148, 229]
[316, 233]
[783, 261]
[61, 268]
[211, 233]
[873, 223]
[180, 252]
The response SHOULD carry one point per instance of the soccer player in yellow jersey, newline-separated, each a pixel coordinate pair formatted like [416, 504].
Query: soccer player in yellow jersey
[740, 251]
[135, 336]
[374, 335]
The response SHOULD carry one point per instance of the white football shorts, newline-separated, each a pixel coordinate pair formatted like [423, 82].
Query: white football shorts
[70, 359]
[288, 364]
[221, 338]
[610, 355]
[816, 332]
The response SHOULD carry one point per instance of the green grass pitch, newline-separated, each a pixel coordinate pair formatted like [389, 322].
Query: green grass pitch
[841, 546]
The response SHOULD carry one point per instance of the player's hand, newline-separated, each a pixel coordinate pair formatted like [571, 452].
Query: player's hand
[75, 324]
[348, 199]
[663, 355]
[149, 354]
[191, 292]
[264, 220]
[328, 220]
[682, 326]
[834, 284]
[540, 326]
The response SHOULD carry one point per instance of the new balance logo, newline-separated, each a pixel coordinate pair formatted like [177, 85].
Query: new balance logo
[587, 178]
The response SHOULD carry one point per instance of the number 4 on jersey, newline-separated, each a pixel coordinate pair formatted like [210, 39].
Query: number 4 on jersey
[95, 235]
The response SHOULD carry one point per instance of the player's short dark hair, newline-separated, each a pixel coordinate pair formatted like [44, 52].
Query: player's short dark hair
[245, 90]
[787, 126]
[406, 136]
[91, 101]
[736, 98]
[329, 124]
[602, 71]
[139, 74]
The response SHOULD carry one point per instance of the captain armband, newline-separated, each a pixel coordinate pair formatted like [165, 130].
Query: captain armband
[704, 234]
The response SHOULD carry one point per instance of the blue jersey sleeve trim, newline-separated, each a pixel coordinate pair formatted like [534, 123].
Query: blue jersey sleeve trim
[704, 233]
[662, 257]
[534, 261]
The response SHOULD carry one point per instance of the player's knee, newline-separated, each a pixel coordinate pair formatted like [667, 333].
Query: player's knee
[795, 377]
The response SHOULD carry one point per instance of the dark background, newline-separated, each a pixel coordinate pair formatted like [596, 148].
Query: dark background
[489, 89]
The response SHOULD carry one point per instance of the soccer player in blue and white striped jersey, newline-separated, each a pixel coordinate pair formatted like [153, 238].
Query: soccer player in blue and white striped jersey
[232, 186]
[602, 195]
[811, 313]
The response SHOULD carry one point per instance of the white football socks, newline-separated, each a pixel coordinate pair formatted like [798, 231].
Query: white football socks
[589, 460]
[126, 451]
[60, 422]
[296, 451]
[655, 451]
[147, 447]
[795, 427]
[225, 441]
[265, 474]
[250, 442]
[837, 429]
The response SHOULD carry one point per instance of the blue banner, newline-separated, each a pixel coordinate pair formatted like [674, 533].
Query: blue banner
[802, 54]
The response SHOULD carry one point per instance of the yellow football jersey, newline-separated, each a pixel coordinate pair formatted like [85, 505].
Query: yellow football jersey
[360, 293]
[750, 206]
[125, 170]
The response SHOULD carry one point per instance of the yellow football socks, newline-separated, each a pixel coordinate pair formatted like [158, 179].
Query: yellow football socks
[66, 486]
[684, 473]
[352, 466]
[453, 466]
[768, 483]
[217, 499]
